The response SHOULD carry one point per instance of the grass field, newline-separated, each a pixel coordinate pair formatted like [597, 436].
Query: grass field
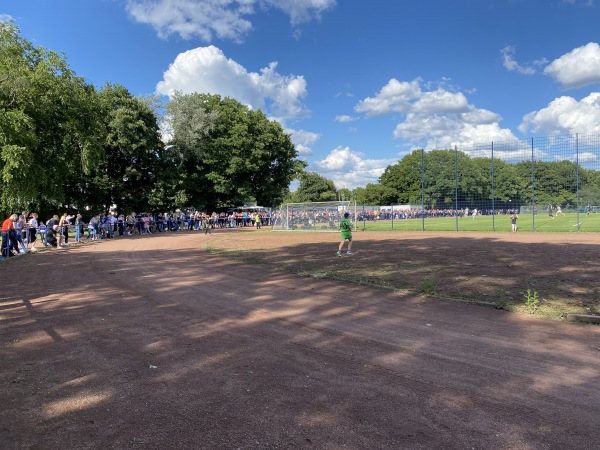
[568, 223]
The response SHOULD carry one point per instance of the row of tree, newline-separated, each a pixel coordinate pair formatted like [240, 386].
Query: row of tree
[66, 145]
[443, 178]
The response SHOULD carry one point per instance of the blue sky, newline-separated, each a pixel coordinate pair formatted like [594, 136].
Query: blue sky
[357, 84]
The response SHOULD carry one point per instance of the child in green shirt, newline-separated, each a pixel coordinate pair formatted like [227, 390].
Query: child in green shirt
[346, 234]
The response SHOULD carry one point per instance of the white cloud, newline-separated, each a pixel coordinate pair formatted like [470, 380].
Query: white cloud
[208, 70]
[302, 11]
[441, 101]
[437, 118]
[344, 119]
[583, 2]
[444, 132]
[396, 96]
[225, 19]
[565, 115]
[303, 150]
[585, 157]
[348, 169]
[510, 64]
[578, 68]
[5, 17]
[303, 140]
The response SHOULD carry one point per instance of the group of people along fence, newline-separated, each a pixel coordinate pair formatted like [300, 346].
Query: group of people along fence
[25, 232]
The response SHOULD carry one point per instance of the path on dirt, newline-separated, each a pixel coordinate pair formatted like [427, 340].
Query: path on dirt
[153, 343]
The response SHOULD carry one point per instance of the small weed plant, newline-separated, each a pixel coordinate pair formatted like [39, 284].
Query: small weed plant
[531, 300]
[428, 286]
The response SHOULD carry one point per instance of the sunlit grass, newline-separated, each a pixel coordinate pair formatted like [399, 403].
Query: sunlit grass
[568, 223]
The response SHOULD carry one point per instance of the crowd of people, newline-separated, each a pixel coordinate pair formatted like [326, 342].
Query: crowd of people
[388, 214]
[25, 232]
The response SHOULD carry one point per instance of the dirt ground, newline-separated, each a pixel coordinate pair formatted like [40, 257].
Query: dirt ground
[484, 268]
[156, 343]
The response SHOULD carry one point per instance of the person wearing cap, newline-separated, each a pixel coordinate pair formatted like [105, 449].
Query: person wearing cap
[346, 234]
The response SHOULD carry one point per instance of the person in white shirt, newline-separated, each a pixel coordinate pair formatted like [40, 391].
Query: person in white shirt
[33, 225]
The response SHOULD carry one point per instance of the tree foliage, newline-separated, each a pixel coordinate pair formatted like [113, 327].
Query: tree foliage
[448, 176]
[227, 154]
[314, 188]
[66, 145]
[47, 130]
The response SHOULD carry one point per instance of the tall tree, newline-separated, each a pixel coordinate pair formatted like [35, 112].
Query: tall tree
[314, 187]
[133, 150]
[404, 178]
[45, 134]
[377, 194]
[229, 154]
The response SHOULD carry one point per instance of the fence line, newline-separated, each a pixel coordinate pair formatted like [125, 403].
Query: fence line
[552, 183]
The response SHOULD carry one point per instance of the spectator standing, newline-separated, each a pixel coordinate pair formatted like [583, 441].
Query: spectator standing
[93, 227]
[67, 228]
[8, 240]
[112, 224]
[20, 226]
[78, 225]
[60, 234]
[42, 231]
[513, 221]
[33, 227]
[121, 224]
[206, 224]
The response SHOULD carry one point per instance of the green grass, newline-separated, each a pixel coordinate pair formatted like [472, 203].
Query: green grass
[569, 223]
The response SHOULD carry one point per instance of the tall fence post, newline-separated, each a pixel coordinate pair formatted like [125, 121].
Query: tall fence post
[493, 193]
[577, 178]
[422, 189]
[532, 189]
[456, 185]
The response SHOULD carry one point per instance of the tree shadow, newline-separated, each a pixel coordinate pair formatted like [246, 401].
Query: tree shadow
[122, 345]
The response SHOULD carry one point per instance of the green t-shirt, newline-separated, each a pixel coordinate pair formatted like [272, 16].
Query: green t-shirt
[346, 228]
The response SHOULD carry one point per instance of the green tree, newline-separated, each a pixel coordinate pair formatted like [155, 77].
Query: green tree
[439, 177]
[345, 194]
[133, 151]
[46, 131]
[228, 154]
[404, 178]
[376, 194]
[314, 188]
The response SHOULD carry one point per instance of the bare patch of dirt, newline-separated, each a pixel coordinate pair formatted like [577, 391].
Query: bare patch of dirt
[495, 269]
[155, 343]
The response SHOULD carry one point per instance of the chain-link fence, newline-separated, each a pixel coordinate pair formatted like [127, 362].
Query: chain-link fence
[551, 183]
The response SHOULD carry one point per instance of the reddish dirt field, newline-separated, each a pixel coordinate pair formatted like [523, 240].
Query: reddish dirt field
[154, 343]
[484, 268]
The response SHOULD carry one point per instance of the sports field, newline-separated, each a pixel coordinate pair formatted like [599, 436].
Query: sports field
[567, 223]
[260, 340]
